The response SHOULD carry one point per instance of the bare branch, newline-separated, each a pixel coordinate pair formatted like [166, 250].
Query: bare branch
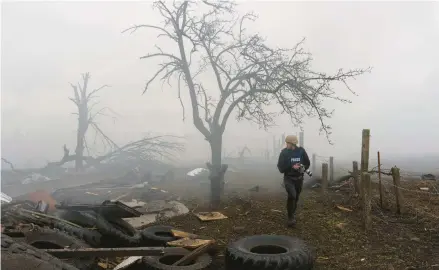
[250, 75]
[9, 163]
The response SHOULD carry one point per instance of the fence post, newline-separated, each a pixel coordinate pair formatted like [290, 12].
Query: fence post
[379, 179]
[365, 150]
[313, 163]
[366, 186]
[331, 169]
[396, 183]
[301, 139]
[364, 154]
[356, 175]
[324, 177]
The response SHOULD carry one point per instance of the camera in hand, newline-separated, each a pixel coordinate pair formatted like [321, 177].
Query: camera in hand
[303, 170]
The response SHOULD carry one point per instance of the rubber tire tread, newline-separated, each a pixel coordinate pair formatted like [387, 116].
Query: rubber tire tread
[25, 262]
[239, 257]
[83, 219]
[9, 246]
[91, 237]
[150, 237]
[118, 237]
[153, 262]
[61, 239]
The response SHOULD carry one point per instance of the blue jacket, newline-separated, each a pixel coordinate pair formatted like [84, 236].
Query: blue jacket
[288, 157]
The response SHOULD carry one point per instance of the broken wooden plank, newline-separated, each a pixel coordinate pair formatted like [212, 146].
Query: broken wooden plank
[111, 252]
[127, 262]
[189, 243]
[194, 254]
[208, 216]
[182, 234]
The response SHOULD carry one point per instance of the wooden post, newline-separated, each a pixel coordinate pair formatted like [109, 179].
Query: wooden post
[324, 177]
[313, 163]
[365, 150]
[366, 186]
[301, 139]
[379, 179]
[397, 183]
[356, 175]
[331, 169]
[364, 155]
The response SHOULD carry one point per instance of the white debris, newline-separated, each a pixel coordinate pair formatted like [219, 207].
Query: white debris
[127, 262]
[196, 171]
[35, 177]
[177, 209]
[5, 198]
[424, 188]
[134, 203]
[141, 185]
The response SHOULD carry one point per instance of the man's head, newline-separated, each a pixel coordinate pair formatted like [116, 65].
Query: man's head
[291, 141]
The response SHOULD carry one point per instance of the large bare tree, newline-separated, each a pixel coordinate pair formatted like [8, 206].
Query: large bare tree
[210, 38]
[85, 102]
[147, 148]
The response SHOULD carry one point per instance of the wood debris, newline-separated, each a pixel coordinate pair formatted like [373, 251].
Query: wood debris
[182, 234]
[189, 243]
[344, 208]
[208, 216]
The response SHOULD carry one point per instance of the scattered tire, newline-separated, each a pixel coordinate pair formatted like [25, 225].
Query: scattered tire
[10, 248]
[165, 262]
[91, 237]
[54, 239]
[158, 235]
[269, 252]
[84, 219]
[118, 231]
[25, 262]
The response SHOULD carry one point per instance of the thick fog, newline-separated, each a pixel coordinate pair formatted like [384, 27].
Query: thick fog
[46, 46]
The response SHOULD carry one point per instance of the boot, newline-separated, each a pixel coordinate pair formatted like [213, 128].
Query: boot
[291, 214]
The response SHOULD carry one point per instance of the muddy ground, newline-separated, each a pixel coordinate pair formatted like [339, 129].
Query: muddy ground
[406, 241]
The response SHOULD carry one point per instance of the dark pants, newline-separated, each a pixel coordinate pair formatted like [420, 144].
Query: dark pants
[293, 186]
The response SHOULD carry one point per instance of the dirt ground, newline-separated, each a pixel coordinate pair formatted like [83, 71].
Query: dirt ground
[407, 241]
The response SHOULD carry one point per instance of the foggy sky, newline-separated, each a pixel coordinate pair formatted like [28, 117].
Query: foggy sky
[47, 45]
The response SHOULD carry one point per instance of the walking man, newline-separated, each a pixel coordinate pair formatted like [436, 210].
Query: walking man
[290, 160]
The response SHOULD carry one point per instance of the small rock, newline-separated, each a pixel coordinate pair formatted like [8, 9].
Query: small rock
[340, 225]
[416, 239]
[239, 228]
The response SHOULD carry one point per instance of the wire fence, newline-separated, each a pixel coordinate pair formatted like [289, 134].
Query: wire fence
[411, 192]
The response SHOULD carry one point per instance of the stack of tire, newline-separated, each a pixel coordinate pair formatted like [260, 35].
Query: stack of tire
[89, 229]
[84, 229]
[22, 256]
[115, 232]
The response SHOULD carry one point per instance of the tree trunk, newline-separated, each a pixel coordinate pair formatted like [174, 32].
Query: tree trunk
[217, 171]
[79, 152]
[80, 136]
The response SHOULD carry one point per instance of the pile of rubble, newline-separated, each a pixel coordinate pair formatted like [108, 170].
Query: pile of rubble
[39, 233]
[92, 237]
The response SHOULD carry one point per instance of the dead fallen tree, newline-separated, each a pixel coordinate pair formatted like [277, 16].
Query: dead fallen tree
[157, 148]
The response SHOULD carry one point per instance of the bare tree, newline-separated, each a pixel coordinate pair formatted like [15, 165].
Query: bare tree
[249, 74]
[85, 102]
[147, 148]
